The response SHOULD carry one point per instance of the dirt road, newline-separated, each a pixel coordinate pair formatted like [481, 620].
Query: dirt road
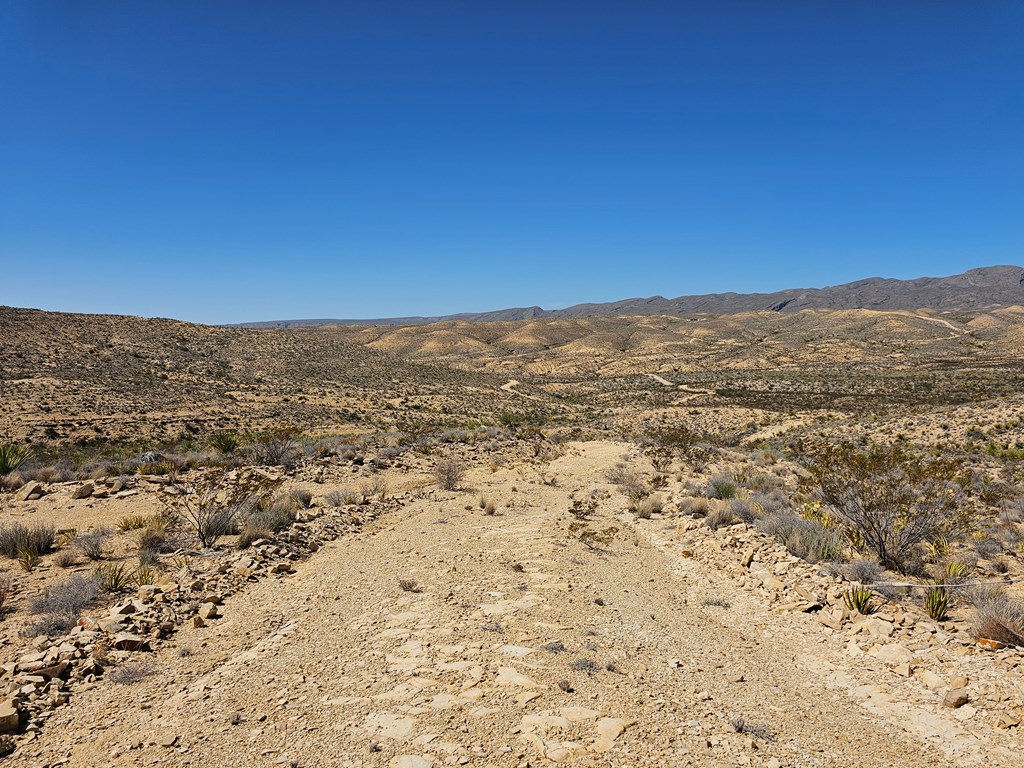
[518, 646]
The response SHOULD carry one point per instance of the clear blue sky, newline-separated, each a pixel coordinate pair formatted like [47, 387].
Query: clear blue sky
[222, 161]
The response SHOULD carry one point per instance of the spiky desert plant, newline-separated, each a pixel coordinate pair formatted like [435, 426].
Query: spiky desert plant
[937, 602]
[858, 598]
[112, 577]
[13, 456]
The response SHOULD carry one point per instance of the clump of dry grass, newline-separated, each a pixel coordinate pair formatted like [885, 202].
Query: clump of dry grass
[449, 472]
[998, 617]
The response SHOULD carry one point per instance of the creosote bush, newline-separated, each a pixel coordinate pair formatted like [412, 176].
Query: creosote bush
[889, 500]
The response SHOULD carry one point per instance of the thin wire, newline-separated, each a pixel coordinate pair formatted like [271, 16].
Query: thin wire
[961, 584]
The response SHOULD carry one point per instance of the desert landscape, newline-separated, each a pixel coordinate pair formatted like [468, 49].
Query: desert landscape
[511, 385]
[760, 538]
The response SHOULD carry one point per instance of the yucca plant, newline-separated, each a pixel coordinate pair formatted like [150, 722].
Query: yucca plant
[112, 577]
[937, 602]
[13, 456]
[954, 572]
[858, 599]
[27, 559]
[145, 574]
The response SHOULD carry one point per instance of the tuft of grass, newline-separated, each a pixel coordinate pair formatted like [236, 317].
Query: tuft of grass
[131, 673]
[694, 506]
[302, 498]
[133, 522]
[719, 517]
[92, 543]
[17, 538]
[652, 505]
[721, 487]
[998, 617]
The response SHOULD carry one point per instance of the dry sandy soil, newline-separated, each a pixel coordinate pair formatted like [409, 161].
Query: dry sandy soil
[663, 640]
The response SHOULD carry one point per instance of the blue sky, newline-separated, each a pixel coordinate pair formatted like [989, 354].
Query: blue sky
[229, 161]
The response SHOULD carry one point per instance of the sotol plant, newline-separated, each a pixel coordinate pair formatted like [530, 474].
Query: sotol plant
[858, 599]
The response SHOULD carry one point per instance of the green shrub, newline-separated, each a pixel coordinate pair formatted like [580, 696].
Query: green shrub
[721, 487]
[889, 500]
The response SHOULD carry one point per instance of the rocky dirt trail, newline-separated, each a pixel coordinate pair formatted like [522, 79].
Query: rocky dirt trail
[513, 645]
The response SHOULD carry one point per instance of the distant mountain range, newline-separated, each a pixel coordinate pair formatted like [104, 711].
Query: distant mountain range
[982, 288]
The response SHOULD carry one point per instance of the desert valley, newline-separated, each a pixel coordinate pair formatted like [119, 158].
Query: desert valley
[616, 537]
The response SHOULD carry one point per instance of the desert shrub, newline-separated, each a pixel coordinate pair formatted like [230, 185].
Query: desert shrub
[721, 487]
[743, 510]
[12, 481]
[804, 538]
[62, 604]
[998, 617]
[12, 457]
[274, 519]
[449, 472]
[131, 673]
[250, 533]
[303, 499]
[619, 474]
[148, 557]
[769, 503]
[652, 505]
[719, 517]
[864, 570]
[16, 539]
[344, 497]
[889, 500]
[409, 585]
[92, 543]
[694, 506]
[377, 486]
[65, 558]
[152, 538]
[212, 506]
[276, 452]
